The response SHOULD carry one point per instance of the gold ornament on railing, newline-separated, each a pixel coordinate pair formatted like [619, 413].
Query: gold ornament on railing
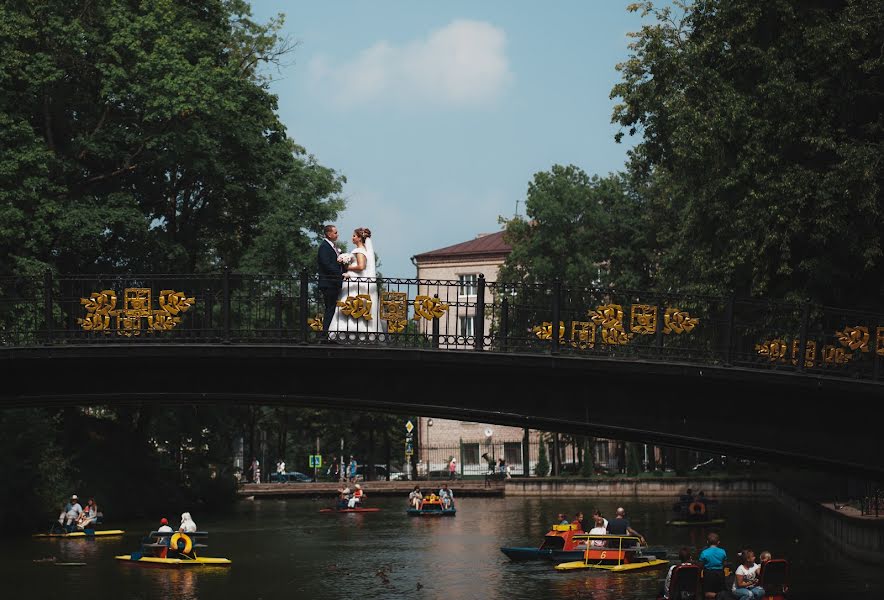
[137, 312]
[678, 321]
[315, 323]
[879, 341]
[775, 350]
[428, 308]
[643, 319]
[835, 356]
[582, 334]
[854, 338]
[610, 318]
[544, 331]
[809, 352]
[394, 310]
[357, 307]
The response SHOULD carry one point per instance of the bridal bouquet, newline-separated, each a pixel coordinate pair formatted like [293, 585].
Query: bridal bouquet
[345, 258]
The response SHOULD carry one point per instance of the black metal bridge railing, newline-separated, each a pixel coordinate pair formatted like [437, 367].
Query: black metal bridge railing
[486, 316]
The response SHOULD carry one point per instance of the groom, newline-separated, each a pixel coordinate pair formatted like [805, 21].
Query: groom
[330, 274]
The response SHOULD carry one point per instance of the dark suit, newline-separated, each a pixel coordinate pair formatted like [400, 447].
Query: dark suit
[330, 280]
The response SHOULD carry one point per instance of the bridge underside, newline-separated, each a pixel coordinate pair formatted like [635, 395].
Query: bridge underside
[777, 417]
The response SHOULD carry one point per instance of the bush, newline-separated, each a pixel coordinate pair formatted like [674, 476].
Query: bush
[541, 469]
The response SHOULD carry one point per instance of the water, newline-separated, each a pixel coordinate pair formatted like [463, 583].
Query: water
[286, 549]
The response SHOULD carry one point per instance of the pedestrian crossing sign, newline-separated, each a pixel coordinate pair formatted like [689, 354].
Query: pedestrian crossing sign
[315, 460]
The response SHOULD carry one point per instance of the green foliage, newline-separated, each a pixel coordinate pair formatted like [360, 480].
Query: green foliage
[587, 468]
[761, 144]
[142, 137]
[580, 229]
[541, 469]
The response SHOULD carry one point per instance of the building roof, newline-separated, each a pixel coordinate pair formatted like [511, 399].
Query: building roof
[485, 245]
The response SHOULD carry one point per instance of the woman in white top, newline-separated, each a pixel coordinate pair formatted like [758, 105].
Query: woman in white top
[187, 524]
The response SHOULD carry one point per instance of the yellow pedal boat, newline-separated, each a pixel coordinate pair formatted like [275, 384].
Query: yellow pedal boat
[88, 533]
[613, 553]
[173, 549]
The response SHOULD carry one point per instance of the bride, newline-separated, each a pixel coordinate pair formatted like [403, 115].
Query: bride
[358, 318]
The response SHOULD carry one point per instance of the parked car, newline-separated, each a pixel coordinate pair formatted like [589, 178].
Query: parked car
[290, 477]
[380, 473]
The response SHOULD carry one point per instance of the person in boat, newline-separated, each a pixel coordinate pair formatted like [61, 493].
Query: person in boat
[187, 524]
[687, 497]
[163, 539]
[447, 497]
[598, 529]
[343, 496]
[578, 520]
[598, 513]
[415, 497]
[89, 515]
[764, 556]
[684, 556]
[356, 498]
[746, 577]
[619, 525]
[562, 519]
[712, 560]
[70, 513]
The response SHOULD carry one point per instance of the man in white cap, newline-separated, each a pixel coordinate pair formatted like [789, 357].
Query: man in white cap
[70, 513]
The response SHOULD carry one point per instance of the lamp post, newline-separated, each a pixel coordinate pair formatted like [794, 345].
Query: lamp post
[429, 468]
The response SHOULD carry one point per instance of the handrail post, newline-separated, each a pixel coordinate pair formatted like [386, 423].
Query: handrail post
[729, 332]
[277, 317]
[504, 322]
[802, 338]
[479, 330]
[556, 315]
[225, 306]
[658, 334]
[47, 305]
[302, 303]
[435, 328]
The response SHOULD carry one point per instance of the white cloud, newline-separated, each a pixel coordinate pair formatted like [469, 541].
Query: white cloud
[461, 64]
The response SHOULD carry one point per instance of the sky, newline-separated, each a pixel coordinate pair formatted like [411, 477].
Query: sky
[440, 113]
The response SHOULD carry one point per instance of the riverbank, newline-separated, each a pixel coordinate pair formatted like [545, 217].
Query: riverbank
[329, 489]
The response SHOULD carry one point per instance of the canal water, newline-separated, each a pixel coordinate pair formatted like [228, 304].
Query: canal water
[287, 549]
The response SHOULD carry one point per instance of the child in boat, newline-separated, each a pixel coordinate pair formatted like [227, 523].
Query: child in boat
[684, 556]
[599, 529]
[712, 559]
[415, 497]
[746, 577]
[447, 497]
[343, 496]
[89, 515]
[187, 524]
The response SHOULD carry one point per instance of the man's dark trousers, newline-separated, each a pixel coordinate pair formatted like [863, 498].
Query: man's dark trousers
[330, 301]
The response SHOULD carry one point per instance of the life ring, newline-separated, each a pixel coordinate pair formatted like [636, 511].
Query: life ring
[697, 508]
[188, 543]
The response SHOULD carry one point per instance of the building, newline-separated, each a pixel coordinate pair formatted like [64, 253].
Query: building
[462, 264]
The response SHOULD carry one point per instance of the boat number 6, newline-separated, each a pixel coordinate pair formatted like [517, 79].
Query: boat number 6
[603, 554]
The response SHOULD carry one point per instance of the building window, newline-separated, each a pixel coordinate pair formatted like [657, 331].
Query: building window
[467, 326]
[468, 285]
[512, 453]
[471, 454]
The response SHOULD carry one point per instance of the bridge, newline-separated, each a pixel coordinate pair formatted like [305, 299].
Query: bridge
[792, 384]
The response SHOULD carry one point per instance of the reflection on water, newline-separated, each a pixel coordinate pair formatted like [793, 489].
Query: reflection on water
[287, 549]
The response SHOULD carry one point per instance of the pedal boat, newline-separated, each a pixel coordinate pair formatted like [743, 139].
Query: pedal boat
[431, 506]
[620, 553]
[558, 544]
[348, 510]
[696, 514]
[58, 531]
[173, 550]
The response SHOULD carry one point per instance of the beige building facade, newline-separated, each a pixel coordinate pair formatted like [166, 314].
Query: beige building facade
[452, 274]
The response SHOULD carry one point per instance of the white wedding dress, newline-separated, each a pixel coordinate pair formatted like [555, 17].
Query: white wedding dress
[359, 289]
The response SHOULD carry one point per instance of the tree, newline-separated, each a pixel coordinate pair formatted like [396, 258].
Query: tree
[142, 137]
[580, 229]
[761, 145]
[541, 469]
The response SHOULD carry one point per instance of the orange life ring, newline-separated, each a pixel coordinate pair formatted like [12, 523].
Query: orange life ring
[697, 508]
[188, 543]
